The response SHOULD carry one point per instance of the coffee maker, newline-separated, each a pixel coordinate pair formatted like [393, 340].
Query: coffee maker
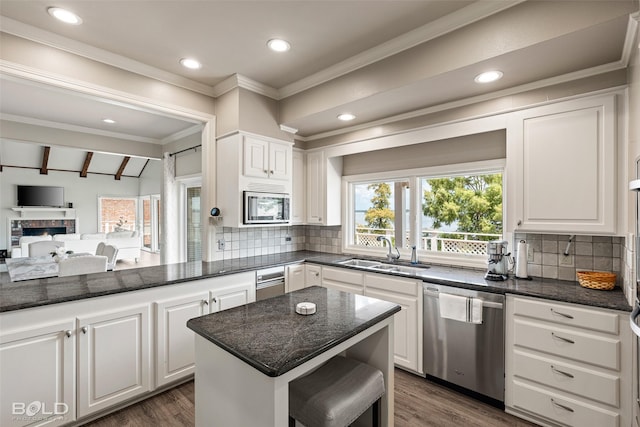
[498, 262]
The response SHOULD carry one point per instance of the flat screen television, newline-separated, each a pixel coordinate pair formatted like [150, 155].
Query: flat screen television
[36, 195]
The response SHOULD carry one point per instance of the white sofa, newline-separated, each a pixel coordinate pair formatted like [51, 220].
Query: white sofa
[127, 242]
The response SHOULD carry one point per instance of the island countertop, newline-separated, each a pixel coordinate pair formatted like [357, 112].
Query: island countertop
[270, 336]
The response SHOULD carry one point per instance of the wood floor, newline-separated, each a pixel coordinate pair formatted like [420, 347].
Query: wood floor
[418, 403]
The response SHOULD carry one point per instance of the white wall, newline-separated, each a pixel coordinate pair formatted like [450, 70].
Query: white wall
[82, 192]
[150, 181]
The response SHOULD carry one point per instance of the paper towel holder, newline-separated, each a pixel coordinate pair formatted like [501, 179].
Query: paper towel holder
[522, 257]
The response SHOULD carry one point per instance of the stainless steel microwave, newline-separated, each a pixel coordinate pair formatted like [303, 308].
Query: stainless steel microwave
[266, 208]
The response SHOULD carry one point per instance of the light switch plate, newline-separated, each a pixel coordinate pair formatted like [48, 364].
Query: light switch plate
[221, 245]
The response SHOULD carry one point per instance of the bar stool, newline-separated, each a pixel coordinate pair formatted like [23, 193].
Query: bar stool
[336, 394]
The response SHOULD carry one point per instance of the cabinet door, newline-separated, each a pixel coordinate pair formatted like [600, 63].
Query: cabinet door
[229, 297]
[256, 157]
[565, 160]
[175, 344]
[298, 193]
[113, 363]
[279, 161]
[315, 187]
[37, 376]
[312, 275]
[405, 327]
[295, 277]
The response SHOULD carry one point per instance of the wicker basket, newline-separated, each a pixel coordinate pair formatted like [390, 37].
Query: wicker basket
[597, 280]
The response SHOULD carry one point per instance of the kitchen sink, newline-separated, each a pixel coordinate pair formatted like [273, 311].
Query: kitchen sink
[380, 266]
[362, 263]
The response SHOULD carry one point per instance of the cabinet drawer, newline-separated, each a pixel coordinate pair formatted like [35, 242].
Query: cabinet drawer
[561, 409]
[343, 275]
[566, 377]
[567, 315]
[562, 342]
[393, 284]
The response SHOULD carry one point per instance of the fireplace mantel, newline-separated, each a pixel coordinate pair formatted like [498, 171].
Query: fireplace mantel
[36, 212]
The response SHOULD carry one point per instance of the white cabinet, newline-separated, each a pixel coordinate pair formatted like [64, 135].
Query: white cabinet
[567, 364]
[247, 162]
[37, 375]
[231, 296]
[113, 358]
[343, 279]
[561, 167]
[407, 323]
[324, 177]
[266, 159]
[298, 188]
[312, 275]
[174, 344]
[294, 277]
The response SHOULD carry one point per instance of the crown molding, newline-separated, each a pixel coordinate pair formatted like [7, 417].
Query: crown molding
[589, 72]
[630, 38]
[458, 19]
[182, 134]
[47, 38]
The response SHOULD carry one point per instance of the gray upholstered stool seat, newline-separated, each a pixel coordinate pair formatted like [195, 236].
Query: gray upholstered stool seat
[336, 394]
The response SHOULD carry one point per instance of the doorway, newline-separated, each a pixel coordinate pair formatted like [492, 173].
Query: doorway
[151, 220]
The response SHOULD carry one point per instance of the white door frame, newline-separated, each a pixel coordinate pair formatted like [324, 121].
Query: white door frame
[186, 182]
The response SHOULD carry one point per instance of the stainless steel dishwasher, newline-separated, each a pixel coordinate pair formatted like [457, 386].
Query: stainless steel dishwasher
[466, 354]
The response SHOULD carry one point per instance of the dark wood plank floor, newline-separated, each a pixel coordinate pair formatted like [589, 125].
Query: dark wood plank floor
[418, 403]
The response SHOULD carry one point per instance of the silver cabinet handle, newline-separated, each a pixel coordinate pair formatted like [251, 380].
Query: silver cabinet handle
[519, 222]
[566, 374]
[84, 329]
[67, 333]
[568, 316]
[271, 172]
[205, 302]
[266, 172]
[566, 408]
[562, 338]
[316, 274]
[214, 300]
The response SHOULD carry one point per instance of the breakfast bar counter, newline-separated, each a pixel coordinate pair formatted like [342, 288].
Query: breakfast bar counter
[246, 356]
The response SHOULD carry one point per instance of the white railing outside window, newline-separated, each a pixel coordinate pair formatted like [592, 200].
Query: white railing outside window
[431, 240]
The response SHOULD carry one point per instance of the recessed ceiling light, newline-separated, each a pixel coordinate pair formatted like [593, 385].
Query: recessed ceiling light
[64, 15]
[345, 117]
[278, 45]
[488, 77]
[109, 121]
[191, 63]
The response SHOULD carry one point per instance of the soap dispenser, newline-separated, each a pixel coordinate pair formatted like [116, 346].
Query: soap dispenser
[414, 256]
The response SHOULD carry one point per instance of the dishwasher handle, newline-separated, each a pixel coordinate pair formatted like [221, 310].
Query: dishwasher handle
[434, 293]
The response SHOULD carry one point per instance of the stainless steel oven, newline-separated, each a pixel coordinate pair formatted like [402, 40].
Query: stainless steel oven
[269, 282]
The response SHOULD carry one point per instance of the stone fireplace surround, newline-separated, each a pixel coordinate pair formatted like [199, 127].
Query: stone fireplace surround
[25, 227]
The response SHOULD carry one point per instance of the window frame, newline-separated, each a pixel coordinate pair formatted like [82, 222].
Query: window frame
[136, 207]
[414, 177]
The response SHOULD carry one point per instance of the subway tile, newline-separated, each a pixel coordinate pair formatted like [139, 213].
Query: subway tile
[602, 239]
[584, 262]
[602, 249]
[617, 250]
[602, 263]
[584, 239]
[534, 270]
[549, 259]
[584, 248]
[550, 237]
[549, 272]
[550, 246]
[566, 273]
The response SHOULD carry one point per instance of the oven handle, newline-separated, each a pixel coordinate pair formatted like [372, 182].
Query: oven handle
[632, 320]
[269, 283]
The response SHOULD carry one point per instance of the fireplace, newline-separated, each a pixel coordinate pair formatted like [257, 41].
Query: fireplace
[43, 231]
[40, 227]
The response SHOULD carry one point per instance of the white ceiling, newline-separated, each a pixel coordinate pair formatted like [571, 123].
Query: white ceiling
[329, 40]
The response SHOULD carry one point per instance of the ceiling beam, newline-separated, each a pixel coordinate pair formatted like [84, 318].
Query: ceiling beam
[85, 166]
[45, 161]
[121, 169]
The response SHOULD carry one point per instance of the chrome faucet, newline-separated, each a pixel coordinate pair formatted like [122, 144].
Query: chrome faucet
[391, 257]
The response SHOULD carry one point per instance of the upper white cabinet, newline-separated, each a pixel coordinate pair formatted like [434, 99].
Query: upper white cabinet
[267, 159]
[247, 162]
[324, 175]
[298, 188]
[561, 166]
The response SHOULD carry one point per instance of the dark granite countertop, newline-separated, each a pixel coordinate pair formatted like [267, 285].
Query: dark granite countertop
[270, 336]
[39, 292]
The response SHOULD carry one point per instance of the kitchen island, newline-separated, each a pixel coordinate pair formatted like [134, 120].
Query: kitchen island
[246, 356]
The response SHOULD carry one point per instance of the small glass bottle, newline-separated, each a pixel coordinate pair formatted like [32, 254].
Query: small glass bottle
[414, 256]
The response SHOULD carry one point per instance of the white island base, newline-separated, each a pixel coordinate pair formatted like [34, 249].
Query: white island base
[229, 392]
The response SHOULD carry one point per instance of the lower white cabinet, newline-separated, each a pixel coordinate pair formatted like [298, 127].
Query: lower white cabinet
[37, 375]
[407, 324]
[175, 357]
[567, 364]
[343, 279]
[312, 275]
[294, 277]
[113, 358]
[232, 295]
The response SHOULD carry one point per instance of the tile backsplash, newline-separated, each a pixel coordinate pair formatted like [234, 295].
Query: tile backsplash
[546, 255]
[256, 241]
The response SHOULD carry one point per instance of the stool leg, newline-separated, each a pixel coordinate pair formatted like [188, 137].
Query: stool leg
[292, 422]
[375, 409]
